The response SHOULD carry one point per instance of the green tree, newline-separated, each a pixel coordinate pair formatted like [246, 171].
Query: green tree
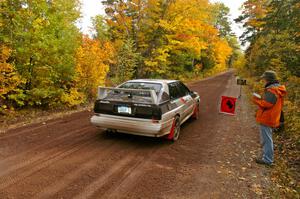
[236, 50]
[127, 60]
[222, 22]
[101, 28]
[275, 36]
[252, 14]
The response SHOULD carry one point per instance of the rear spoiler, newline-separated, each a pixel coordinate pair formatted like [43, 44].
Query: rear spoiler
[103, 91]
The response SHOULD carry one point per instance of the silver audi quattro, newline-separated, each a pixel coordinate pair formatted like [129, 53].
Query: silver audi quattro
[147, 107]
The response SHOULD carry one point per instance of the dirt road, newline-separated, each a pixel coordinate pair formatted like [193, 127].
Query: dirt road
[69, 158]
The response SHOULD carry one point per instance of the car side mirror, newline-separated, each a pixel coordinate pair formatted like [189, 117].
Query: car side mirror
[194, 94]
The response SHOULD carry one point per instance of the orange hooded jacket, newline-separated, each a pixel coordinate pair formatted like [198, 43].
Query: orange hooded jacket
[269, 113]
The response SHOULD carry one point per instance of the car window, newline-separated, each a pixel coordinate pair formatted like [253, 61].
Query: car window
[142, 85]
[174, 91]
[164, 97]
[183, 89]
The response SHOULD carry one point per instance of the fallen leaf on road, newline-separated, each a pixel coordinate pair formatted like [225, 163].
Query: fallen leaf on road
[257, 189]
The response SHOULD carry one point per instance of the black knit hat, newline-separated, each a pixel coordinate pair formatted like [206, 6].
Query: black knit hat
[269, 75]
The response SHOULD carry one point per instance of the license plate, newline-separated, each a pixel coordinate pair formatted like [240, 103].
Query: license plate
[124, 109]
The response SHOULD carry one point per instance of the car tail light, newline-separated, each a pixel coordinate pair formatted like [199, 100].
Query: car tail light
[156, 113]
[155, 121]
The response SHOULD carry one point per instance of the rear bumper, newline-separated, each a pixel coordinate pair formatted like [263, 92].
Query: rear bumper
[136, 126]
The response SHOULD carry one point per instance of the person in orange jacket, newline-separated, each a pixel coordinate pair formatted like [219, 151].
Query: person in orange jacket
[268, 114]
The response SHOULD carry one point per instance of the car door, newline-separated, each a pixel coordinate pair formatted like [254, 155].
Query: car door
[179, 99]
[175, 104]
[187, 99]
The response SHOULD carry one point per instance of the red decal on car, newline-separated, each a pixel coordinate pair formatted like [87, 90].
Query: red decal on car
[171, 134]
[182, 100]
[196, 111]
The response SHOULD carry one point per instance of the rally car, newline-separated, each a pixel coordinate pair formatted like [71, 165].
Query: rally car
[146, 107]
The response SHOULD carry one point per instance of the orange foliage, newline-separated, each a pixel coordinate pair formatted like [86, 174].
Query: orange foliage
[9, 79]
[92, 64]
[256, 11]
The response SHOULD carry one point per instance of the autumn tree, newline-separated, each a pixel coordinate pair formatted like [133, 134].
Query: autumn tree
[222, 22]
[127, 61]
[252, 14]
[44, 38]
[275, 36]
[100, 28]
[9, 81]
[171, 36]
[92, 64]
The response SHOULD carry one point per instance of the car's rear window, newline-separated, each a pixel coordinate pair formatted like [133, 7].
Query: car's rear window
[134, 96]
[142, 85]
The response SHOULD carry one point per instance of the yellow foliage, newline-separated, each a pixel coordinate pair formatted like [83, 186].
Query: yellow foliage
[240, 63]
[9, 79]
[171, 36]
[186, 25]
[189, 30]
[92, 64]
[222, 52]
[159, 62]
[74, 97]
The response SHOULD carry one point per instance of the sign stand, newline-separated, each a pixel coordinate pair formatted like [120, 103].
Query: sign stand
[241, 82]
[240, 95]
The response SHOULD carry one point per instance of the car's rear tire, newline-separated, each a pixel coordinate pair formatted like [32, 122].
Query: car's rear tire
[175, 130]
[110, 131]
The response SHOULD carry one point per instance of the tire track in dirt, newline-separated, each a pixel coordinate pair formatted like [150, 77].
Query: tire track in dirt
[121, 179]
[32, 142]
[116, 169]
[73, 175]
[84, 159]
[129, 178]
[43, 163]
[33, 127]
[20, 160]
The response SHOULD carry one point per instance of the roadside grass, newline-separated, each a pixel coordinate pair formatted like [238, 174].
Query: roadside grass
[285, 175]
